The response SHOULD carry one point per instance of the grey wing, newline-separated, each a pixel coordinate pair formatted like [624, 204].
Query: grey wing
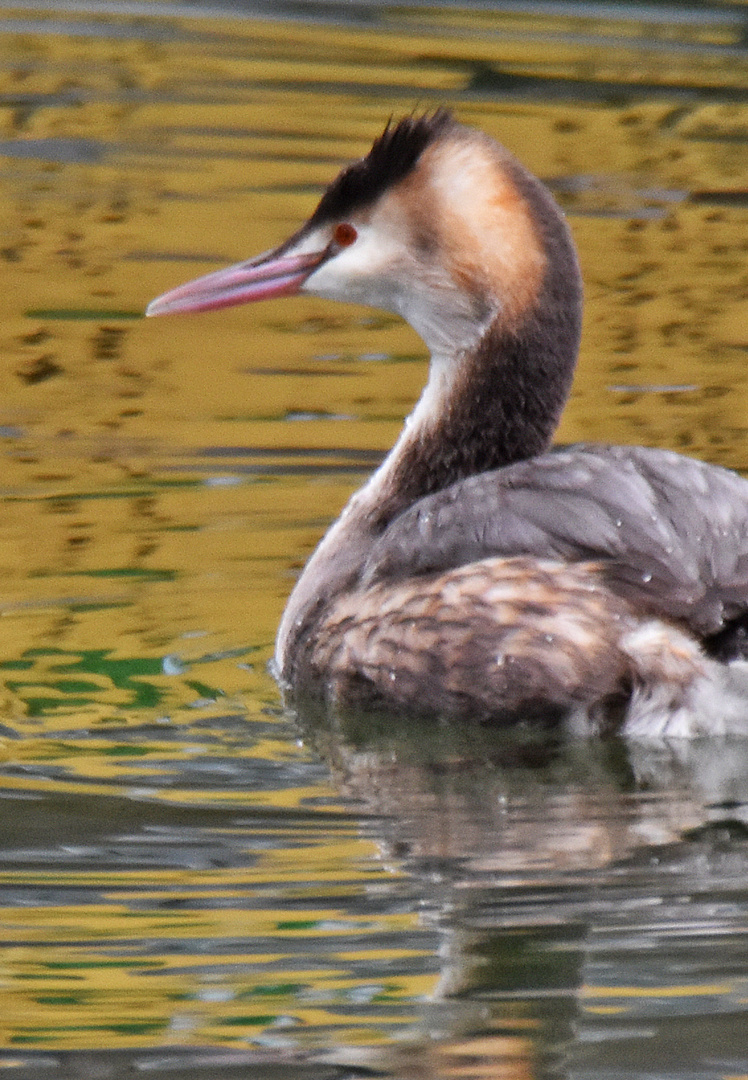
[671, 532]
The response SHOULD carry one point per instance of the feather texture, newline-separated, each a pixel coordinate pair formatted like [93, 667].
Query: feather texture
[670, 533]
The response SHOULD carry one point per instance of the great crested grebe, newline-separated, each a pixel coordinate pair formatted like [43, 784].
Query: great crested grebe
[478, 573]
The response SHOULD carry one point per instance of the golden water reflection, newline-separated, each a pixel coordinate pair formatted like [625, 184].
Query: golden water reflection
[186, 886]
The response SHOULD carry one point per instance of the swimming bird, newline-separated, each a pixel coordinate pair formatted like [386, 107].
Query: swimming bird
[481, 573]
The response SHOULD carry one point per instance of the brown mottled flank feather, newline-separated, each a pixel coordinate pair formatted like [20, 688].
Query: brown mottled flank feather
[490, 639]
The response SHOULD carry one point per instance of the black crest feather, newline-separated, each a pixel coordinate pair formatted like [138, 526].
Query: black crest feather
[393, 155]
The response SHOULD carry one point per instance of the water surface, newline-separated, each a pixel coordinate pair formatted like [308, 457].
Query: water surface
[194, 883]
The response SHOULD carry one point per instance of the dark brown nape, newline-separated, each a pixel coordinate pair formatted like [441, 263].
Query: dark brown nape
[510, 391]
[393, 155]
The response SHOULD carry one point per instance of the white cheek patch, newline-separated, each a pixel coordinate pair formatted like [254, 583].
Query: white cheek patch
[385, 267]
[368, 271]
[312, 243]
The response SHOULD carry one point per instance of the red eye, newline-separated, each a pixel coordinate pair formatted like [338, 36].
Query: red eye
[344, 234]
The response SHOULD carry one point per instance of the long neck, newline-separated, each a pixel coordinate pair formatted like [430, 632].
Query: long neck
[497, 402]
[481, 410]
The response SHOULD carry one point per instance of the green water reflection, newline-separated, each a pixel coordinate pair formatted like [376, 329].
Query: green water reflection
[118, 673]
